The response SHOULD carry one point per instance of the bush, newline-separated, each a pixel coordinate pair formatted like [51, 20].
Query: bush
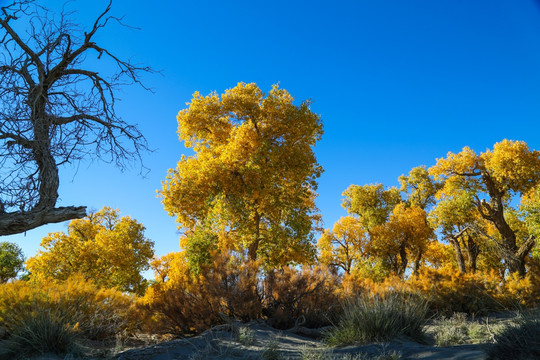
[519, 340]
[451, 292]
[309, 294]
[452, 331]
[380, 318]
[77, 303]
[50, 331]
[189, 304]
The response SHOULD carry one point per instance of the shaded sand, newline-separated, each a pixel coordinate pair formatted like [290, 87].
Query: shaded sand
[223, 343]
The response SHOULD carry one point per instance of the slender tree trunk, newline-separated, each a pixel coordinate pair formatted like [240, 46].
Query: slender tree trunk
[254, 246]
[472, 253]
[459, 255]
[418, 262]
[404, 260]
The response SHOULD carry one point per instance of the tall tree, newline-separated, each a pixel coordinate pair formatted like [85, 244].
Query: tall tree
[419, 188]
[460, 224]
[495, 177]
[372, 204]
[345, 246]
[109, 249]
[56, 108]
[11, 261]
[403, 237]
[252, 180]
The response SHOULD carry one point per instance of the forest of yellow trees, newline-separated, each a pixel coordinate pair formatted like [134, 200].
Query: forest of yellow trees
[461, 235]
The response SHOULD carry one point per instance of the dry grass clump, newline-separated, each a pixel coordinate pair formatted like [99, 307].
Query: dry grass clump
[39, 332]
[380, 318]
[457, 330]
[518, 340]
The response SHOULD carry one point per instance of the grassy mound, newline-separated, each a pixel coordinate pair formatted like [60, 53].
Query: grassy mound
[380, 318]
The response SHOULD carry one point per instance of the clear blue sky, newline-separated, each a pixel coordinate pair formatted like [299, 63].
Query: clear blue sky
[397, 84]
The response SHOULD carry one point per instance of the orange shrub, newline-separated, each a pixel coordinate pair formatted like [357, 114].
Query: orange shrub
[186, 304]
[290, 294]
[449, 291]
[95, 312]
[520, 292]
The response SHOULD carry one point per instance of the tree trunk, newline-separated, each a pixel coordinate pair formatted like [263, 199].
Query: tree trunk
[254, 246]
[495, 213]
[404, 260]
[472, 253]
[459, 255]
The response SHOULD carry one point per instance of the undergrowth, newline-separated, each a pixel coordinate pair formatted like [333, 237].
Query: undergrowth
[380, 318]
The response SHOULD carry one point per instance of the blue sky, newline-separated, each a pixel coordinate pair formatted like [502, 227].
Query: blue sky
[397, 84]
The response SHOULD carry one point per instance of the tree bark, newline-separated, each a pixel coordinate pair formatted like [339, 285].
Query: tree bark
[494, 212]
[459, 255]
[254, 246]
[472, 253]
[15, 223]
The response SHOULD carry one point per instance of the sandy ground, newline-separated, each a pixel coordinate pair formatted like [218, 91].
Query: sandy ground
[222, 343]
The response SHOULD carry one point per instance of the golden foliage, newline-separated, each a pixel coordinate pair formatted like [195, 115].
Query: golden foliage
[404, 236]
[109, 250]
[344, 246]
[371, 203]
[513, 165]
[419, 187]
[95, 312]
[253, 176]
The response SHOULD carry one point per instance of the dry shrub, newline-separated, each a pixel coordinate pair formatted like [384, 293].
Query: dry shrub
[290, 294]
[98, 313]
[519, 292]
[449, 291]
[479, 293]
[185, 304]
[44, 316]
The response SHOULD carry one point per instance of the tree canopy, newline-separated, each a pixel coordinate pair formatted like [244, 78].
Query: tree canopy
[252, 180]
[11, 261]
[104, 247]
[484, 206]
[494, 179]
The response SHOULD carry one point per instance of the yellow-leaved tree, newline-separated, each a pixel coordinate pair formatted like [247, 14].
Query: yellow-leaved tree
[250, 186]
[345, 245]
[110, 250]
[495, 180]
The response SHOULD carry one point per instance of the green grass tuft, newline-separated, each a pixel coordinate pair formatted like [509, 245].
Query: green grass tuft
[380, 318]
[49, 331]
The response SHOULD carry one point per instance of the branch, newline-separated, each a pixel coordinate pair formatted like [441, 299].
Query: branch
[15, 223]
[23, 46]
[19, 140]
[526, 247]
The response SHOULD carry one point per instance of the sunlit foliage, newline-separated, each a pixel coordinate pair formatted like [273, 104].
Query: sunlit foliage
[345, 246]
[493, 180]
[94, 312]
[108, 249]
[11, 261]
[252, 179]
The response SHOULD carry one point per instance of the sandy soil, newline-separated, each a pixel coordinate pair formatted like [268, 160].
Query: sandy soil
[222, 343]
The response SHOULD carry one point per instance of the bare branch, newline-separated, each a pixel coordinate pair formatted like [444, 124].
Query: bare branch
[54, 109]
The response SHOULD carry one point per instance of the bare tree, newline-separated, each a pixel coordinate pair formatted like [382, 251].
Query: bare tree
[55, 108]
